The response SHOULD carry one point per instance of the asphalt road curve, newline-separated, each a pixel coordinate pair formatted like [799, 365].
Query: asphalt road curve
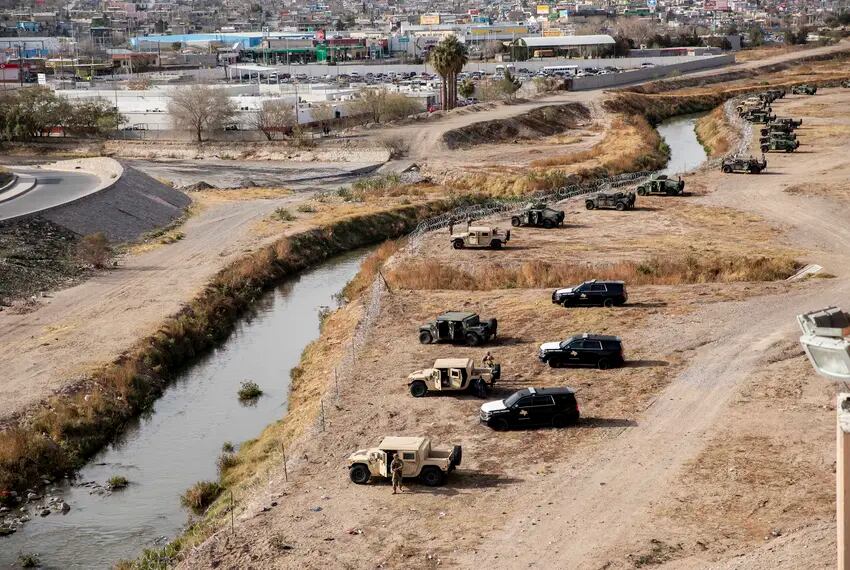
[52, 188]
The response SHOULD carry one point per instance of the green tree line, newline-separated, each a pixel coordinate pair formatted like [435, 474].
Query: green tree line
[29, 113]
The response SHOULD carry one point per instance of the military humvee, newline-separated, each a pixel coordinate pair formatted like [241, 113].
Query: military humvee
[453, 375]
[777, 136]
[774, 127]
[662, 185]
[789, 121]
[804, 89]
[538, 215]
[776, 92]
[458, 326]
[429, 464]
[741, 164]
[759, 116]
[779, 145]
[619, 200]
[846, 83]
[752, 104]
[480, 236]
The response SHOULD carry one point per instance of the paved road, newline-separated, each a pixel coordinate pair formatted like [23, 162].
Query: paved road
[52, 188]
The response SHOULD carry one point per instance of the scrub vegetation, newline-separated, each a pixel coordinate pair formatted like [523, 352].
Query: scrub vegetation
[200, 496]
[434, 274]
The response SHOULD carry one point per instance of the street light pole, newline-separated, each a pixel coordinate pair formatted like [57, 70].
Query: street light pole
[842, 478]
[826, 342]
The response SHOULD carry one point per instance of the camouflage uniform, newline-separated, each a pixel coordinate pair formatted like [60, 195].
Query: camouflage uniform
[396, 468]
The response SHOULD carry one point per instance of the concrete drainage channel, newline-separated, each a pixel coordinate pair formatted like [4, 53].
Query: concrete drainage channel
[177, 443]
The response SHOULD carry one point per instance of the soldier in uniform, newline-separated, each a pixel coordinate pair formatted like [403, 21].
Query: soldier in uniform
[487, 360]
[396, 468]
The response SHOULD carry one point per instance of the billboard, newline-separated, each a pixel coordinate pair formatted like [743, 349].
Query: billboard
[429, 19]
[543, 9]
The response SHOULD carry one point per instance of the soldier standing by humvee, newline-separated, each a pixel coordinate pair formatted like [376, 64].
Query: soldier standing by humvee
[396, 468]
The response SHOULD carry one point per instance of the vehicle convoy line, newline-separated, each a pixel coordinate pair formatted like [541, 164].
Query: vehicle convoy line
[603, 502]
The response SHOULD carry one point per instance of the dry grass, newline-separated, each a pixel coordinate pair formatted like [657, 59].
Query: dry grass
[370, 267]
[715, 133]
[200, 496]
[433, 274]
[631, 144]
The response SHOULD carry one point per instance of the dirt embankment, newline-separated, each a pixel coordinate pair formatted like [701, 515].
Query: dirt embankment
[541, 122]
[715, 133]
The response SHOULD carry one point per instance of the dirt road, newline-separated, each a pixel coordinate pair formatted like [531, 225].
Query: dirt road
[594, 496]
[604, 502]
[426, 138]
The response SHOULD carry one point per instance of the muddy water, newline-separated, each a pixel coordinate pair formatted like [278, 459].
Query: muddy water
[685, 151]
[178, 442]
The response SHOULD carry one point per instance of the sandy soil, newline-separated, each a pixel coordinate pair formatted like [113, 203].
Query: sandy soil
[716, 442]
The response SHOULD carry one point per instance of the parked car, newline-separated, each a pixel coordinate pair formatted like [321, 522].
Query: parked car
[593, 350]
[532, 407]
[602, 293]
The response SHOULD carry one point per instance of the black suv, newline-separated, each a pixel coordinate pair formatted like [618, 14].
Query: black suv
[532, 407]
[603, 293]
[595, 350]
[459, 327]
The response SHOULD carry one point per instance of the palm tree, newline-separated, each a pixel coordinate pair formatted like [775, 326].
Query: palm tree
[448, 58]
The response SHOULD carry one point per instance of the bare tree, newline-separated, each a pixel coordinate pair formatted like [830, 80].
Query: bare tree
[200, 108]
[378, 105]
[274, 117]
[324, 115]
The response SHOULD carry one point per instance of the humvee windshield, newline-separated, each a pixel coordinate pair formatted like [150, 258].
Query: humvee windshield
[472, 321]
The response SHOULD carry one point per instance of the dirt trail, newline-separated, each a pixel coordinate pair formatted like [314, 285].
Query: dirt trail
[87, 325]
[426, 139]
[604, 501]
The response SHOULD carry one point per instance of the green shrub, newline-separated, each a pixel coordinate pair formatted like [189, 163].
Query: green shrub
[117, 482]
[29, 560]
[306, 209]
[249, 390]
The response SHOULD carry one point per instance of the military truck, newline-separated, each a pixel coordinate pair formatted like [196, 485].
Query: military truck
[748, 164]
[618, 200]
[804, 89]
[662, 185]
[538, 215]
[794, 123]
[779, 145]
[431, 465]
[480, 236]
[453, 375]
[458, 327]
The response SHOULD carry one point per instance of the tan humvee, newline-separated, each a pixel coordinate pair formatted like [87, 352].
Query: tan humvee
[429, 464]
[453, 375]
[480, 236]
